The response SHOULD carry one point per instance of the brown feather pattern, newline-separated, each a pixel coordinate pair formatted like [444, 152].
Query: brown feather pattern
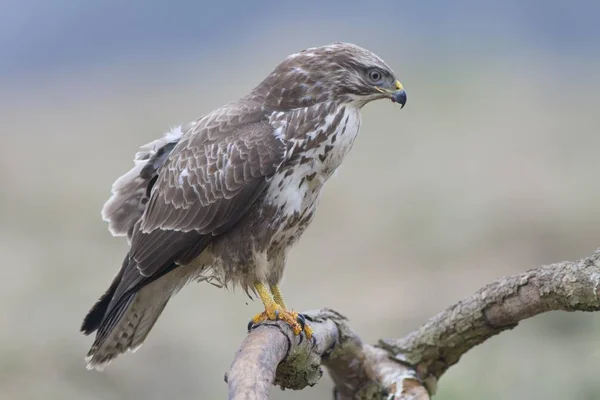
[227, 195]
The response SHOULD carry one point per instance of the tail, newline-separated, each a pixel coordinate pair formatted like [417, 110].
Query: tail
[126, 328]
[122, 323]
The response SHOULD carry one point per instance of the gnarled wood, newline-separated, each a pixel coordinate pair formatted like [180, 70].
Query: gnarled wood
[402, 369]
[271, 354]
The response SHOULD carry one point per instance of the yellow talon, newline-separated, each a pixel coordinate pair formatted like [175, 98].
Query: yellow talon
[275, 310]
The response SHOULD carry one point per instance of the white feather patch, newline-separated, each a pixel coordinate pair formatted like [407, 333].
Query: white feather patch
[124, 207]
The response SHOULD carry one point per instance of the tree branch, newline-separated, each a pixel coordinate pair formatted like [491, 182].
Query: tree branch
[271, 354]
[499, 306]
[401, 369]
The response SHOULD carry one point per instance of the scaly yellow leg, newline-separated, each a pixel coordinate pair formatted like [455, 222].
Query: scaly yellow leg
[264, 294]
[277, 296]
[275, 309]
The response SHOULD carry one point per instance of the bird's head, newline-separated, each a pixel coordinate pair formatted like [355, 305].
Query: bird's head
[339, 72]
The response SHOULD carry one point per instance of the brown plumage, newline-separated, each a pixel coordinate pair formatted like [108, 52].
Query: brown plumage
[224, 197]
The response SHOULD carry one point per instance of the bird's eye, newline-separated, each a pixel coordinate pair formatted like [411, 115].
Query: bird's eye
[375, 76]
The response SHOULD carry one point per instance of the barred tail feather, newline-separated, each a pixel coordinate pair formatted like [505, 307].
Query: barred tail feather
[127, 325]
[127, 311]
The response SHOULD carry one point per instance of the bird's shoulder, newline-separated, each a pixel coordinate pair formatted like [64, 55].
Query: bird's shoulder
[207, 141]
[220, 164]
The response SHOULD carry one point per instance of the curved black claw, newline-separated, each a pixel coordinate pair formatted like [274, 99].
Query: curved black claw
[301, 320]
[250, 325]
[276, 315]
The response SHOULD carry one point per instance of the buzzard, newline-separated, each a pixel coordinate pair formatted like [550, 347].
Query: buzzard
[225, 197]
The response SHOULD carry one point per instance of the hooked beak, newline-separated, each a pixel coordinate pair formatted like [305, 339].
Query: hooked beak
[398, 95]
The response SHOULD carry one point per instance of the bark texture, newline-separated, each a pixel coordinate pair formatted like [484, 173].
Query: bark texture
[407, 368]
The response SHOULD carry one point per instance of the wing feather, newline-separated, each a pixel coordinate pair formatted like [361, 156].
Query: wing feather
[196, 182]
[129, 192]
[205, 186]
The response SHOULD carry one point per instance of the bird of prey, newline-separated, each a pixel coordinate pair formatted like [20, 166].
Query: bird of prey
[226, 196]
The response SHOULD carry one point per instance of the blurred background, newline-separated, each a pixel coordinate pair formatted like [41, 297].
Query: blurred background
[491, 169]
